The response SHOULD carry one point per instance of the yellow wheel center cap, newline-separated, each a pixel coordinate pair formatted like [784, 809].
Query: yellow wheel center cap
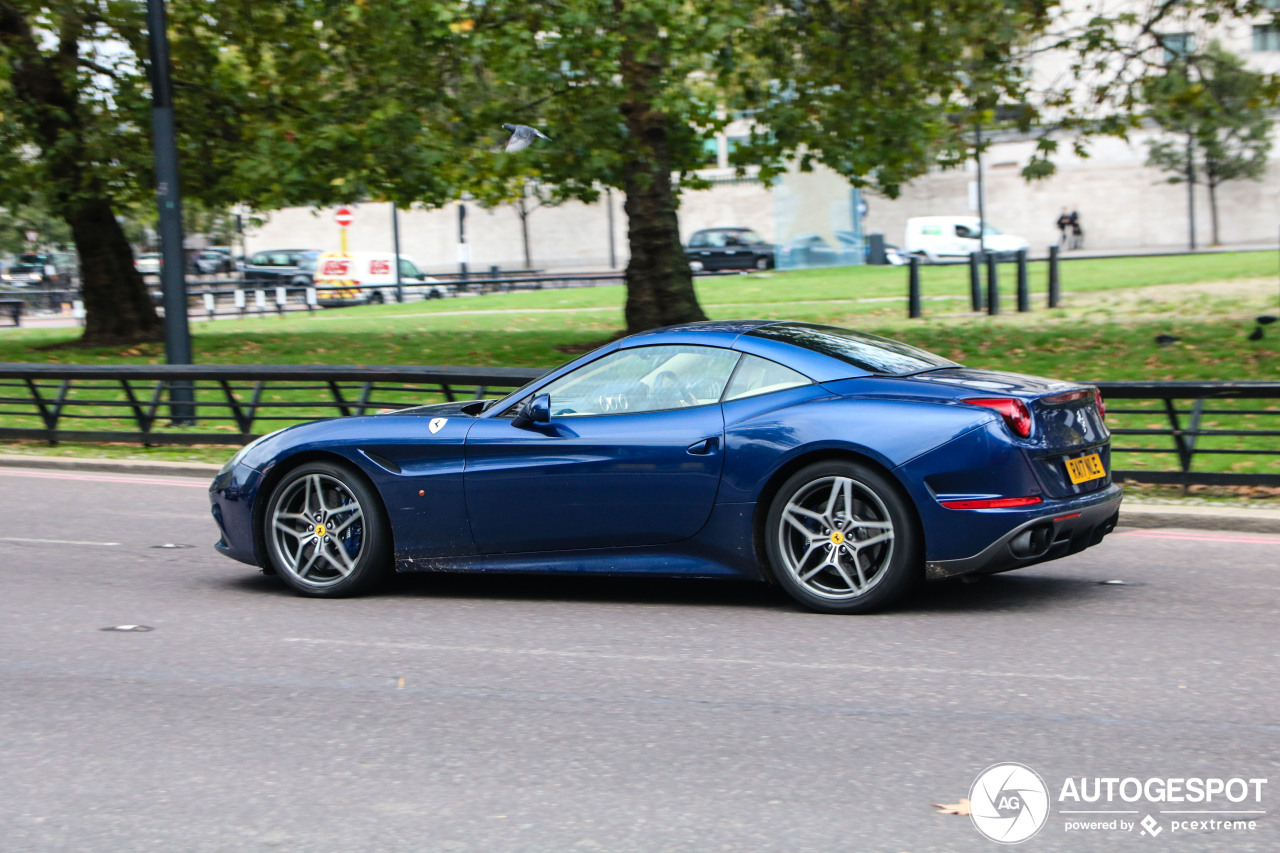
[837, 538]
[320, 530]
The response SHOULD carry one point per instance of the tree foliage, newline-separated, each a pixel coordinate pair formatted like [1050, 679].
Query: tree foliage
[327, 101]
[1215, 115]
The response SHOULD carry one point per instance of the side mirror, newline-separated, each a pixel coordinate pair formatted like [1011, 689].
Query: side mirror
[536, 411]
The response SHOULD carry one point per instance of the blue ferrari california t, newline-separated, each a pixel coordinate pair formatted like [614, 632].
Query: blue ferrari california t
[841, 466]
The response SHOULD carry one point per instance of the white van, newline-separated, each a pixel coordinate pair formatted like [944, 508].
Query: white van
[353, 278]
[951, 237]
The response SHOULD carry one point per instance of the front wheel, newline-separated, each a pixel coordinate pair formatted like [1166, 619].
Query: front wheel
[842, 538]
[326, 532]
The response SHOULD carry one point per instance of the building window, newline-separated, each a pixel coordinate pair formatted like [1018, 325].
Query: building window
[1177, 46]
[1266, 37]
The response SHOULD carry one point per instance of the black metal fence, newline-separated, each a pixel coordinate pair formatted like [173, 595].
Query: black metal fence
[232, 404]
[1161, 429]
[1239, 421]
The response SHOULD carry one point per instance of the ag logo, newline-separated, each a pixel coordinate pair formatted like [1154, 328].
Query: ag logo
[437, 424]
[1009, 803]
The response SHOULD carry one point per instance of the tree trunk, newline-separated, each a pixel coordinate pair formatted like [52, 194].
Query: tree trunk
[523, 213]
[118, 308]
[1211, 183]
[659, 282]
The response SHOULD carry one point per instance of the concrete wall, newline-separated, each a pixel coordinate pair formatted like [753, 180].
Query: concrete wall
[1122, 204]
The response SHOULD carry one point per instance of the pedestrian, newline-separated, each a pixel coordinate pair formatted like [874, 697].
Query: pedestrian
[1064, 223]
[1077, 233]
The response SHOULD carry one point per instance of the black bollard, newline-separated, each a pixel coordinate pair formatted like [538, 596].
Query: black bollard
[913, 288]
[993, 285]
[975, 280]
[1053, 277]
[1024, 292]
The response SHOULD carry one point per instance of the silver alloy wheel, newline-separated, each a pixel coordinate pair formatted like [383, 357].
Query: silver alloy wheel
[836, 538]
[318, 530]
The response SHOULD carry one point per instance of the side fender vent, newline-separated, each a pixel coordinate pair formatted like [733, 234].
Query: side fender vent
[382, 462]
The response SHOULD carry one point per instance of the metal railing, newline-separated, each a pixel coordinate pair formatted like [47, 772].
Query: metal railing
[232, 404]
[1196, 419]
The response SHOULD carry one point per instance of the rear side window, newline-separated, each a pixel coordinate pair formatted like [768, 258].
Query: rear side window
[756, 376]
[871, 353]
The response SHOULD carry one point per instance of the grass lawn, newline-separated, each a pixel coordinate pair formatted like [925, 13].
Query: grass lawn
[1106, 329]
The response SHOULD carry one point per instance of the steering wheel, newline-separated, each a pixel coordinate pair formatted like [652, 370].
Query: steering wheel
[668, 388]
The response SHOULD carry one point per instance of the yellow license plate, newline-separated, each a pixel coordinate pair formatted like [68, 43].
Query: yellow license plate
[1085, 468]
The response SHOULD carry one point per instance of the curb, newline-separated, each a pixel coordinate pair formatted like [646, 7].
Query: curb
[202, 470]
[1197, 517]
[1136, 515]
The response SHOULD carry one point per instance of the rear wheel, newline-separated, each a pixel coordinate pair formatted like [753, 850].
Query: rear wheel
[842, 538]
[326, 532]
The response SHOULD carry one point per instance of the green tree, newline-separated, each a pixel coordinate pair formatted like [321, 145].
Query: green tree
[34, 216]
[1215, 113]
[65, 109]
[630, 90]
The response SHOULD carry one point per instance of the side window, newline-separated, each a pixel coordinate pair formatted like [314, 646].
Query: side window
[643, 379]
[760, 376]
[966, 232]
[698, 240]
[408, 269]
[260, 259]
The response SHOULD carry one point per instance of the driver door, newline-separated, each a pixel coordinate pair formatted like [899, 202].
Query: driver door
[631, 456]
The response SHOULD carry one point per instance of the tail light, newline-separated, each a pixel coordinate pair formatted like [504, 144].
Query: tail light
[1102, 404]
[993, 503]
[1016, 416]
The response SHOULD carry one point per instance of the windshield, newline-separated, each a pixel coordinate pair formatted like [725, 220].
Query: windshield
[867, 352]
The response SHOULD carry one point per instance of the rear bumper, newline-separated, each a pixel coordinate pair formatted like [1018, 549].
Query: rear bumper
[1070, 528]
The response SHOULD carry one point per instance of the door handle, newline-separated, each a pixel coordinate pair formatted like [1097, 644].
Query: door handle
[704, 447]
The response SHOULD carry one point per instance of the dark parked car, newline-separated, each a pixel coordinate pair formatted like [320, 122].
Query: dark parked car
[729, 249]
[277, 267]
[840, 465]
[46, 269]
[211, 261]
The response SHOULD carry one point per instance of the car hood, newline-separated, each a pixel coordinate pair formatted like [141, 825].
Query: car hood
[435, 410]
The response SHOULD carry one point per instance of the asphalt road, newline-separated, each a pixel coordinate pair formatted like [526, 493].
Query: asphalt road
[533, 714]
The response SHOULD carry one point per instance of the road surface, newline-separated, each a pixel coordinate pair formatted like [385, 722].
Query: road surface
[468, 713]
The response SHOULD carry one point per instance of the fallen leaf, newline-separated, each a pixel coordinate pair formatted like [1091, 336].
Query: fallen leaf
[961, 807]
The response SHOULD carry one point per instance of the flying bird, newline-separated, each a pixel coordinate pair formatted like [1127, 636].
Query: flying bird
[522, 136]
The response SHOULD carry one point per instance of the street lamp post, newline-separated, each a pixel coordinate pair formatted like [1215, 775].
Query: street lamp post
[177, 334]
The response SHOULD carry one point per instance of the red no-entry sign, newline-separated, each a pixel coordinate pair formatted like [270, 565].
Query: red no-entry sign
[343, 217]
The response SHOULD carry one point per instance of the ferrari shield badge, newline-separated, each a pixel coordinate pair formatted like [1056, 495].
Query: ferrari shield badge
[437, 424]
